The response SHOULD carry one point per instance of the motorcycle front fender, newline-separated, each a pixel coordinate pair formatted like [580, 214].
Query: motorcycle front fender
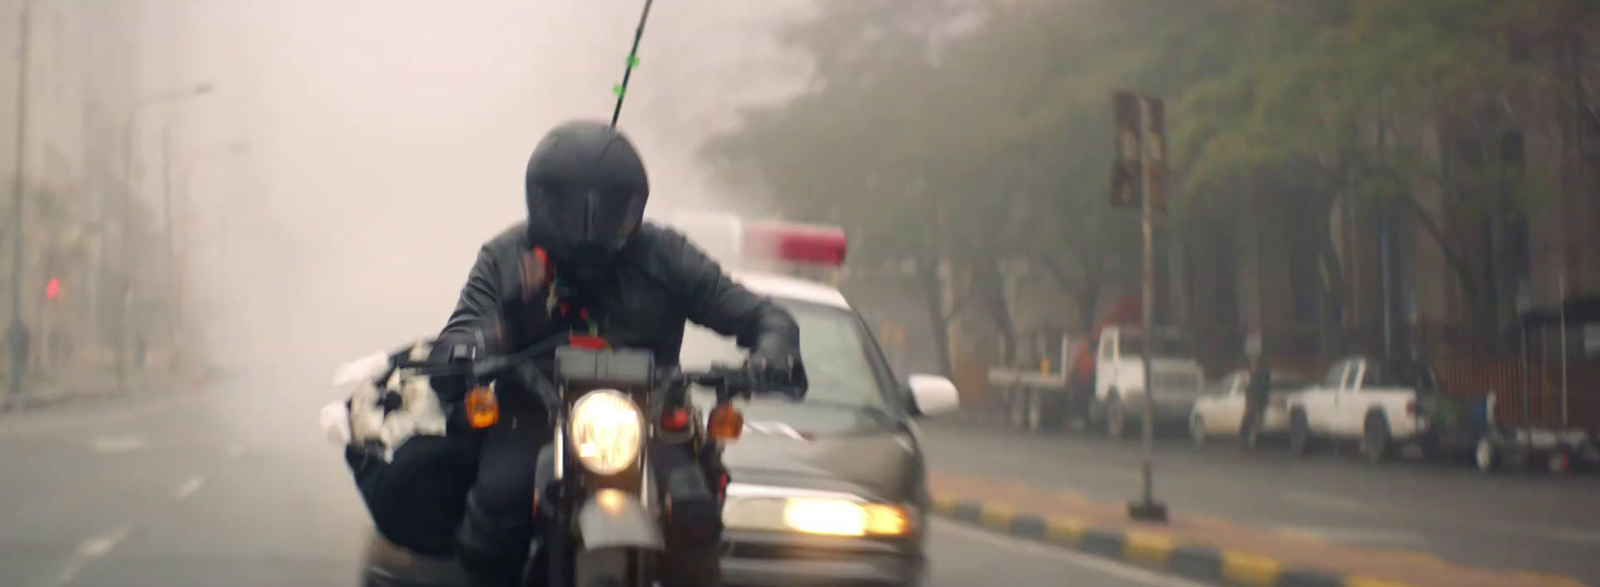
[605, 521]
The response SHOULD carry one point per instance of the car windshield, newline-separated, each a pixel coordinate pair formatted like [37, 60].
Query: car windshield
[831, 343]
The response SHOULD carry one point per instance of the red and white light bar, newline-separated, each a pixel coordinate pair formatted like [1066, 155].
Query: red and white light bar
[733, 239]
[808, 244]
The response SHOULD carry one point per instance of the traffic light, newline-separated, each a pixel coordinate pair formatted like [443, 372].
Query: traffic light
[52, 289]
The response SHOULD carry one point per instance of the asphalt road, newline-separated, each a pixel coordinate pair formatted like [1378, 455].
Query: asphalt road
[1516, 520]
[237, 486]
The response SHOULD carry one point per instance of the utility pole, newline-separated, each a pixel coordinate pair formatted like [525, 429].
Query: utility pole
[17, 333]
[1139, 119]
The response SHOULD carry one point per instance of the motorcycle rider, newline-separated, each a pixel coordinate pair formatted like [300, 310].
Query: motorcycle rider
[585, 261]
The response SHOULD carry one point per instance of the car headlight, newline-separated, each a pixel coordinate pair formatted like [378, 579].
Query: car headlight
[818, 516]
[607, 430]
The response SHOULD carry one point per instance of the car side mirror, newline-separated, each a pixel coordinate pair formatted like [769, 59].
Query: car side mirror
[932, 395]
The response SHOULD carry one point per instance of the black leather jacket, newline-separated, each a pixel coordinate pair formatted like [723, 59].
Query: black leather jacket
[660, 281]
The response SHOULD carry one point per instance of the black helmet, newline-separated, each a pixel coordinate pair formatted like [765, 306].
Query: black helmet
[586, 189]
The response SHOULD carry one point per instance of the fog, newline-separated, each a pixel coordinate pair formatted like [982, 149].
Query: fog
[388, 140]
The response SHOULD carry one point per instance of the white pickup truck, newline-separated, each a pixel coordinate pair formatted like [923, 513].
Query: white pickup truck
[1366, 401]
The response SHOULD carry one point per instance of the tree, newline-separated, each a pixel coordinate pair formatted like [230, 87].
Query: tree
[949, 156]
[1002, 174]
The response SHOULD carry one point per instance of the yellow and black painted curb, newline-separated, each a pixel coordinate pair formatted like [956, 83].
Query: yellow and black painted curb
[1149, 550]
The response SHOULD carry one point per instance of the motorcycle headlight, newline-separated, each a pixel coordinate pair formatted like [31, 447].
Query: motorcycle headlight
[607, 430]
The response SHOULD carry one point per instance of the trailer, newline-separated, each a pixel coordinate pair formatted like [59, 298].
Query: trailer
[1551, 424]
[1534, 447]
[1033, 401]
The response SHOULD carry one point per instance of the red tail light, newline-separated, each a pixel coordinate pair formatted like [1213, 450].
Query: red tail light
[675, 420]
[593, 343]
[1411, 408]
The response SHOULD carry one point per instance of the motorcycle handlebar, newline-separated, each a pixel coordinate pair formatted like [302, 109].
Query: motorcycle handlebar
[729, 381]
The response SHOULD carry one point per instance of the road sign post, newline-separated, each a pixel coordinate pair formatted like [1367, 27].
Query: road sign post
[1140, 179]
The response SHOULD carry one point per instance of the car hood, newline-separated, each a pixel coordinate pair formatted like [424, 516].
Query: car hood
[826, 448]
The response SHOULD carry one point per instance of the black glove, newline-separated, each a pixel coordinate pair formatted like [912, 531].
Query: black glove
[778, 370]
[452, 388]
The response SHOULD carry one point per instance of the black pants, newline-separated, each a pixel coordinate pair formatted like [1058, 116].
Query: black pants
[499, 522]
[1254, 411]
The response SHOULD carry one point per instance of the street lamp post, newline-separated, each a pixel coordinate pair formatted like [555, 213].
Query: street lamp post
[128, 172]
[17, 332]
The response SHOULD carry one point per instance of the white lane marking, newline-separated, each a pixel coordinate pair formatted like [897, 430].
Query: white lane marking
[89, 550]
[118, 444]
[189, 487]
[1100, 564]
[1325, 501]
[1356, 535]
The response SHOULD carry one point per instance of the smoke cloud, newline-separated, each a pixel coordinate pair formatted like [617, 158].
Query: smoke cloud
[388, 139]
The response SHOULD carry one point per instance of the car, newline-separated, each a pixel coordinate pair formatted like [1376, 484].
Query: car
[830, 490]
[1220, 411]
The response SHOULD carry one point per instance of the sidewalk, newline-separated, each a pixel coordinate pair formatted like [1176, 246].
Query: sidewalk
[1202, 547]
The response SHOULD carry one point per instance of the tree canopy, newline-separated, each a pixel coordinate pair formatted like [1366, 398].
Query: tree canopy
[995, 141]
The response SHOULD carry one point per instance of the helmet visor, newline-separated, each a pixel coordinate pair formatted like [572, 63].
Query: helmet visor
[596, 219]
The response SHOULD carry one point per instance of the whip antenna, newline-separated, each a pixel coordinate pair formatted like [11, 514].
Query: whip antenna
[633, 59]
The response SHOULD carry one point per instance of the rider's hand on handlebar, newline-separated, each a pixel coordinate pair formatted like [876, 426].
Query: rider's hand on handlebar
[778, 372]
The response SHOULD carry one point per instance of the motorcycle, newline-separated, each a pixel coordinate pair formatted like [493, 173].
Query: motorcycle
[603, 519]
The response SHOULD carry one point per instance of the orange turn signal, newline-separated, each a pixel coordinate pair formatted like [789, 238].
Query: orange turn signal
[727, 422]
[483, 409]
